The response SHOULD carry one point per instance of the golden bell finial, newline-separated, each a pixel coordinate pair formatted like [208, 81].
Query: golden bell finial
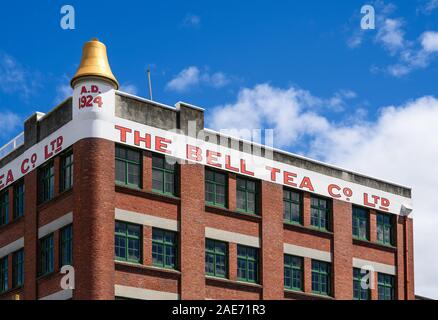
[94, 63]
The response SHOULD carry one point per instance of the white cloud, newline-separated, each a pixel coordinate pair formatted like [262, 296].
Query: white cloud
[9, 123]
[129, 88]
[292, 112]
[430, 6]
[186, 78]
[401, 146]
[15, 78]
[63, 91]
[409, 55]
[429, 41]
[391, 35]
[192, 76]
[191, 20]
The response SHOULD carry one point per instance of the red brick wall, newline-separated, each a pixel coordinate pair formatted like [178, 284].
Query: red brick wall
[342, 250]
[93, 223]
[93, 201]
[272, 256]
[192, 234]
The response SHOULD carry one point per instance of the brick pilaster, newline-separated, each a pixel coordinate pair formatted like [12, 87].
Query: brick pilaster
[373, 226]
[232, 182]
[409, 252]
[272, 260]
[147, 171]
[342, 265]
[192, 234]
[30, 236]
[147, 245]
[93, 221]
[232, 261]
[307, 270]
[306, 209]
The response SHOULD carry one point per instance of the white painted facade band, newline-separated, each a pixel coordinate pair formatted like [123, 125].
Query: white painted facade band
[101, 122]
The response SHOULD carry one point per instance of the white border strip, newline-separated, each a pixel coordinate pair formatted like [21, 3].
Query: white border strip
[55, 225]
[60, 295]
[307, 252]
[143, 294]
[12, 247]
[376, 266]
[233, 237]
[146, 220]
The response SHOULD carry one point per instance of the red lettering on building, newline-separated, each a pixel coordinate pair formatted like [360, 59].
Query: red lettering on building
[139, 139]
[212, 158]
[161, 145]
[306, 183]
[123, 132]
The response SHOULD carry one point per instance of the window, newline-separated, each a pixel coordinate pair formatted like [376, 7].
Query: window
[293, 272]
[164, 248]
[360, 223]
[19, 199]
[46, 182]
[128, 242]
[359, 292]
[163, 175]
[247, 264]
[385, 229]
[292, 204]
[18, 268]
[4, 207]
[247, 194]
[67, 171]
[66, 246]
[128, 166]
[215, 188]
[46, 255]
[321, 275]
[385, 286]
[216, 258]
[320, 213]
[4, 274]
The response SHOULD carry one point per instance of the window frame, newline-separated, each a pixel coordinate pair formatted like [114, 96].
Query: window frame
[19, 200]
[46, 182]
[388, 282]
[66, 180]
[215, 253]
[247, 259]
[320, 209]
[4, 207]
[356, 222]
[126, 163]
[357, 280]
[46, 255]
[320, 273]
[293, 268]
[18, 268]
[128, 237]
[215, 184]
[256, 193]
[164, 244]
[163, 171]
[66, 246]
[4, 274]
[388, 221]
[290, 202]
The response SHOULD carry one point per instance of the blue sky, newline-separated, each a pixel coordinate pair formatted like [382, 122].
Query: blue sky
[301, 43]
[360, 99]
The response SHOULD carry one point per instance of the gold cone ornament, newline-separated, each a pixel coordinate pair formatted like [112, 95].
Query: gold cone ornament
[94, 63]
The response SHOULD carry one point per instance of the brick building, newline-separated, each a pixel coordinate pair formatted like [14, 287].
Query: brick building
[92, 184]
